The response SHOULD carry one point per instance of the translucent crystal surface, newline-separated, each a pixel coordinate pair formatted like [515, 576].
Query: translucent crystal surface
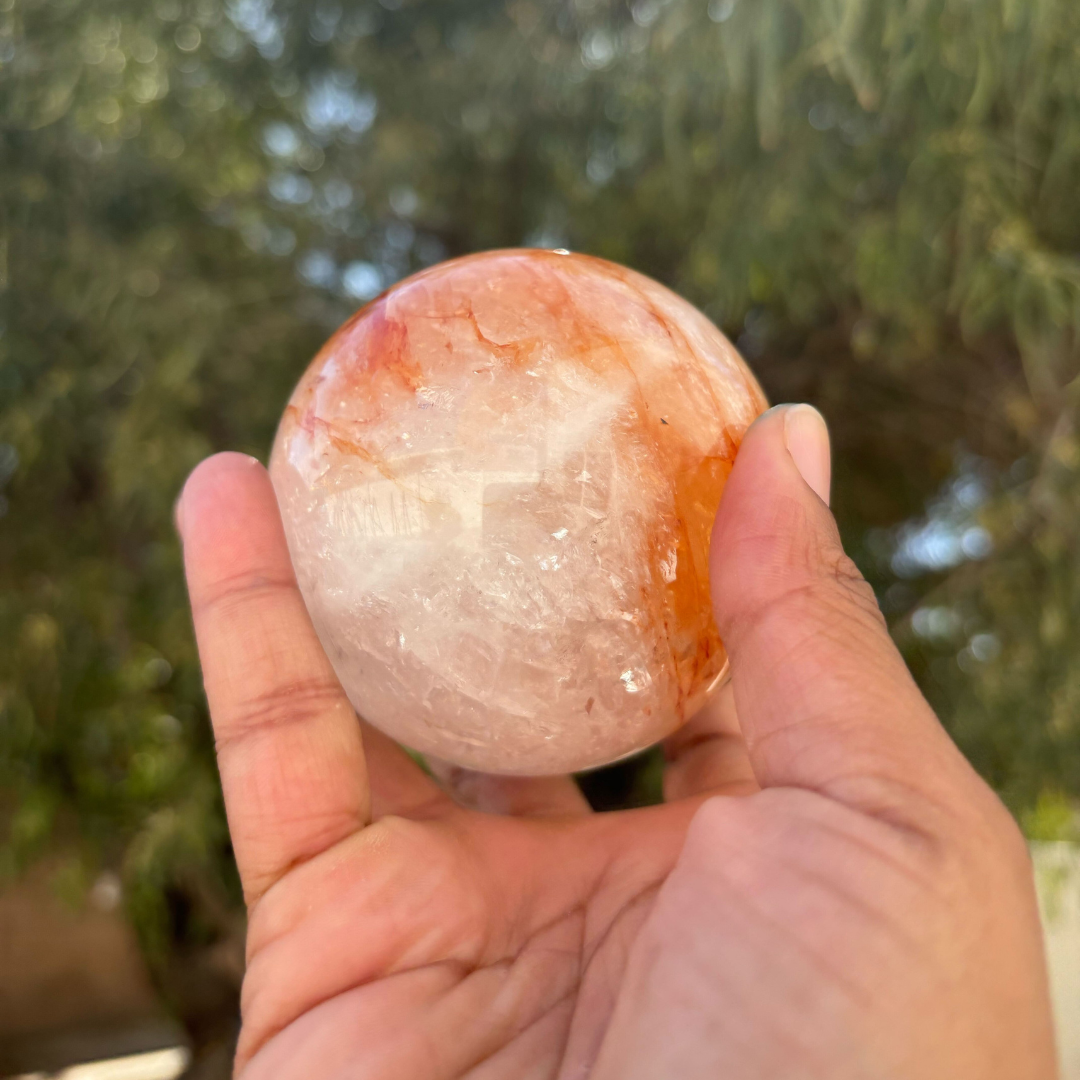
[498, 482]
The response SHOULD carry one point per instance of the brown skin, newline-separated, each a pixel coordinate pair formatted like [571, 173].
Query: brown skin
[830, 891]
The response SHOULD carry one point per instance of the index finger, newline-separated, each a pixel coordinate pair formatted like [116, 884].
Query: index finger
[288, 742]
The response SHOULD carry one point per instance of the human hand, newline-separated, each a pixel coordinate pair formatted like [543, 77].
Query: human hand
[830, 893]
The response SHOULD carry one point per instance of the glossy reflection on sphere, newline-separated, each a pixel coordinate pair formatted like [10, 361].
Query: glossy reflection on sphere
[498, 482]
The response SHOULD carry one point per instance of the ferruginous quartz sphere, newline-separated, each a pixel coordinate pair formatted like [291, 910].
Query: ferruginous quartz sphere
[498, 482]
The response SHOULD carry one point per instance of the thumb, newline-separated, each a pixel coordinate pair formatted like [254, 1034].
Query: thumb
[824, 698]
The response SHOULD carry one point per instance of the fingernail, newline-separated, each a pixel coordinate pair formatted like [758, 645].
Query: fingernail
[807, 439]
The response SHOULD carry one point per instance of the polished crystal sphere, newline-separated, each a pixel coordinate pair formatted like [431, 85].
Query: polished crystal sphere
[498, 482]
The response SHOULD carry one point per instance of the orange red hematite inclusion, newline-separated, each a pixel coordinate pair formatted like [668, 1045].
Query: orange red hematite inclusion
[498, 482]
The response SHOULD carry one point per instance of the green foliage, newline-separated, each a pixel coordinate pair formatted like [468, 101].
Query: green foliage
[876, 199]
[1052, 818]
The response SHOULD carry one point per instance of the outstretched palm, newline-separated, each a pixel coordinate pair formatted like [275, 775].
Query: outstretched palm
[497, 928]
[446, 942]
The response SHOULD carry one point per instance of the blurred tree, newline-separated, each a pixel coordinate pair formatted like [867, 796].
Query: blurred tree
[877, 201]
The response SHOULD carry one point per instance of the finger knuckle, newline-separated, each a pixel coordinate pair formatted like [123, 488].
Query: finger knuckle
[238, 590]
[980, 850]
[282, 705]
[842, 574]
